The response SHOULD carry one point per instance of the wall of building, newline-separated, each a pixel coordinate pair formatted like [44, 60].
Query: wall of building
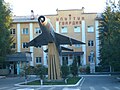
[63, 18]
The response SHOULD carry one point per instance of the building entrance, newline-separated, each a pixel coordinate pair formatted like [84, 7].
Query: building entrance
[12, 68]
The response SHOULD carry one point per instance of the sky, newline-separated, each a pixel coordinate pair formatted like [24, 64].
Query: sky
[48, 7]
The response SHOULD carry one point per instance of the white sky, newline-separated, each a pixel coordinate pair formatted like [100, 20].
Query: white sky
[44, 7]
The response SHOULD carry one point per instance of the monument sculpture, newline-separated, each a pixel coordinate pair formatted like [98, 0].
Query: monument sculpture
[49, 37]
[91, 56]
[92, 63]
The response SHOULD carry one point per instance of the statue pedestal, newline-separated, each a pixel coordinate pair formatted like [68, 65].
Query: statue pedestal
[53, 62]
[92, 67]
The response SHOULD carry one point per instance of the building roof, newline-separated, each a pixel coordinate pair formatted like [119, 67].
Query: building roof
[34, 18]
[72, 53]
[19, 56]
[24, 19]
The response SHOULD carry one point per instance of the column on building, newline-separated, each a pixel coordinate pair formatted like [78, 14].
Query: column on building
[18, 68]
[31, 48]
[45, 56]
[97, 41]
[18, 38]
[57, 31]
[18, 46]
[83, 40]
[57, 26]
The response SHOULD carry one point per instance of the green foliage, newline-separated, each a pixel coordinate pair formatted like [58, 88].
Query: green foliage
[74, 68]
[110, 36]
[5, 39]
[29, 70]
[71, 80]
[65, 71]
[105, 68]
[40, 70]
[88, 69]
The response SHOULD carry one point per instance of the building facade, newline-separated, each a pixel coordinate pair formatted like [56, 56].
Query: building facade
[73, 23]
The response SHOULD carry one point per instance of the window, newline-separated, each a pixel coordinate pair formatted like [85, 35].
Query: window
[71, 56]
[76, 29]
[24, 45]
[38, 60]
[78, 58]
[12, 31]
[25, 31]
[64, 45]
[77, 45]
[90, 43]
[37, 30]
[90, 29]
[13, 45]
[65, 60]
[64, 30]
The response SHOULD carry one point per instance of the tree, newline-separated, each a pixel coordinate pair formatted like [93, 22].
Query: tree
[74, 68]
[65, 70]
[40, 70]
[29, 70]
[110, 36]
[5, 39]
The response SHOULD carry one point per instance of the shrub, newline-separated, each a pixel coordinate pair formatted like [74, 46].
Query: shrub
[65, 71]
[88, 69]
[74, 68]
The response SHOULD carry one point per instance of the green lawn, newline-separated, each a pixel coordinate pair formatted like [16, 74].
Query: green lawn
[71, 80]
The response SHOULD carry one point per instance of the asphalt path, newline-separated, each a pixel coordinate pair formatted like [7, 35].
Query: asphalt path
[100, 83]
[88, 83]
[10, 81]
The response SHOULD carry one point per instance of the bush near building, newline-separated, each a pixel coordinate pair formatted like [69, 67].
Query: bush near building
[65, 71]
[74, 68]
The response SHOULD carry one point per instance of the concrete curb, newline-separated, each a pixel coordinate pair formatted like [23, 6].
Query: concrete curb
[118, 78]
[2, 77]
[73, 85]
[96, 75]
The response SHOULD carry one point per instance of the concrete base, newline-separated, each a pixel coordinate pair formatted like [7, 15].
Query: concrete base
[92, 67]
[53, 62]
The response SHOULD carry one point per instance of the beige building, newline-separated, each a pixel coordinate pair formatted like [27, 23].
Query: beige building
[73, 23]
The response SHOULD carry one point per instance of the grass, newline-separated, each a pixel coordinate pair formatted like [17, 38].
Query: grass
[71, 80]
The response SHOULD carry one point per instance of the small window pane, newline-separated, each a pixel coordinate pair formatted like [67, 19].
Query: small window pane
[77, 45]
[25, 31]
[90, 29]
[24, 45]
[37, 30]
[38, 60]
[64, 30]
[76, 29]
[64, 60]
[12, 31]
[90, 43]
